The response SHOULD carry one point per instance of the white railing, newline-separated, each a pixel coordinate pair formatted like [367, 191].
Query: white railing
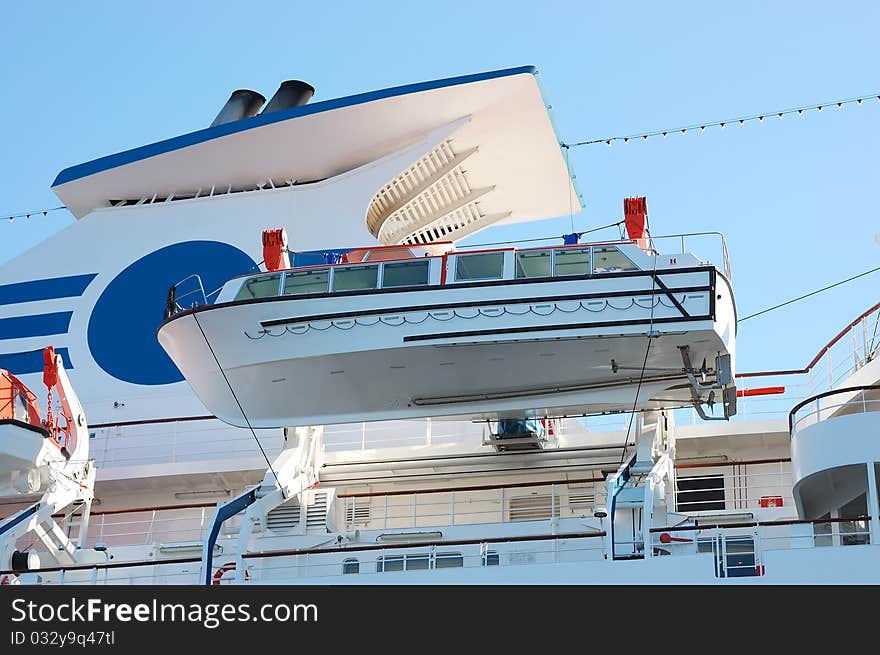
[371, 560]
[732, 486]
[178, 442]
[468, 507]
[843, 401]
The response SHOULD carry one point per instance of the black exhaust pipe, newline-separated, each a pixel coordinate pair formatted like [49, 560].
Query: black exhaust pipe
[292, 93]
[243, 103]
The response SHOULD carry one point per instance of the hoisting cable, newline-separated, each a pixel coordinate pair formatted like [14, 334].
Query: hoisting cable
[644, 363]
[240, 408]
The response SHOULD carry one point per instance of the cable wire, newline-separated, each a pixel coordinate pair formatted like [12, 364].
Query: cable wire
[807, 295]
[240, 408]
[644, 363]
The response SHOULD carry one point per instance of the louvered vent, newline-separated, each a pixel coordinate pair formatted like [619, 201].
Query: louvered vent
[284, 517]
[581, 501]
[357, 514]
[526, 508]
[316, 514]
[431, 201]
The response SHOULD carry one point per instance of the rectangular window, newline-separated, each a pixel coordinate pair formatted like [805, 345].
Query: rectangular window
[480, 266]
[354, 278]
[389, 564]
[350, 566]
[533, 263]
[573, 261]
[491, 558]
[608, 259]
[700, 493]
[448, 561]
[260, 286]
[405, 274]
[310, 281]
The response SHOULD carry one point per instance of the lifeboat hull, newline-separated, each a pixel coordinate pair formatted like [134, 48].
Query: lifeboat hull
[555, 347]
[26, 452]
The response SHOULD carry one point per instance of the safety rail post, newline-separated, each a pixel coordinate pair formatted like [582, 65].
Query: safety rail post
[149, 536]
[452, 509]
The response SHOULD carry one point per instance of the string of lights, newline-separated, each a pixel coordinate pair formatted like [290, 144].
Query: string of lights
[630, 137]
[800, 111]
[44, 212]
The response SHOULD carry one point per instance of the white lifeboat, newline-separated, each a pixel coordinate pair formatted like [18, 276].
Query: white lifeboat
[414, 331]
[30, 445]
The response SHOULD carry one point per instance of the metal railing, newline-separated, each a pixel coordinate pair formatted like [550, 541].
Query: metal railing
[502, 504]
[839, 402]
[733, 485]
[476, 553]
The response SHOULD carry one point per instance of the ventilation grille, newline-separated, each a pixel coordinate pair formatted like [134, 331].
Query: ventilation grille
[431, 201]
[284, 517]
[357, 514]
[316, 514]
[526, 508]
[581, 501]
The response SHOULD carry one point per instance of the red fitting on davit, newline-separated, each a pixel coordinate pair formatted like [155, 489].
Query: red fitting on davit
[275, 249]
[635, 214]
[760, 391]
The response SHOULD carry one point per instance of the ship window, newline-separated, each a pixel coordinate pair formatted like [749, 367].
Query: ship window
[573, 261]
[448, 561]
[480, 266]
[261, 286]
[311, 281]
[351, 565]
[353, 278]
[700, 493]
[405, 274]
[533, 263]
[608, 259]
[418, 562]
[491, 558]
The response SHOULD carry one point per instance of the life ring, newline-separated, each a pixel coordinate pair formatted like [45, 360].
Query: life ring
[223, 570]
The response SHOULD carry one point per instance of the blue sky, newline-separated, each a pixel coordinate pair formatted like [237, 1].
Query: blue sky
[796, 198]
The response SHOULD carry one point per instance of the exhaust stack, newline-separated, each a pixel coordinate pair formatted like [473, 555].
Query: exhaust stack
[291, 93]
[243, 103]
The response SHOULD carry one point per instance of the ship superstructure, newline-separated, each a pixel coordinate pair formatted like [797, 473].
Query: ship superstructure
[391, 402]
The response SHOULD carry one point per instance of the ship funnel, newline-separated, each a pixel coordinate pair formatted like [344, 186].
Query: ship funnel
[243, 103]
[292, 93]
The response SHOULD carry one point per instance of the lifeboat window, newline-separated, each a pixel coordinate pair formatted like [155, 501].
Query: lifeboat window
[480, 266]
[311, 281]
[352, 278]
[261, 286]
[608, 259]
[405, 274]
[533, 263]
[572, 261]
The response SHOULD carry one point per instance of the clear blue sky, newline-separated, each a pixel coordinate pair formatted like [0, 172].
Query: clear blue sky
[797, 198]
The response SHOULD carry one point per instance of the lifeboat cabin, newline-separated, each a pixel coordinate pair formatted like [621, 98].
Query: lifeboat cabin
[407, 331]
